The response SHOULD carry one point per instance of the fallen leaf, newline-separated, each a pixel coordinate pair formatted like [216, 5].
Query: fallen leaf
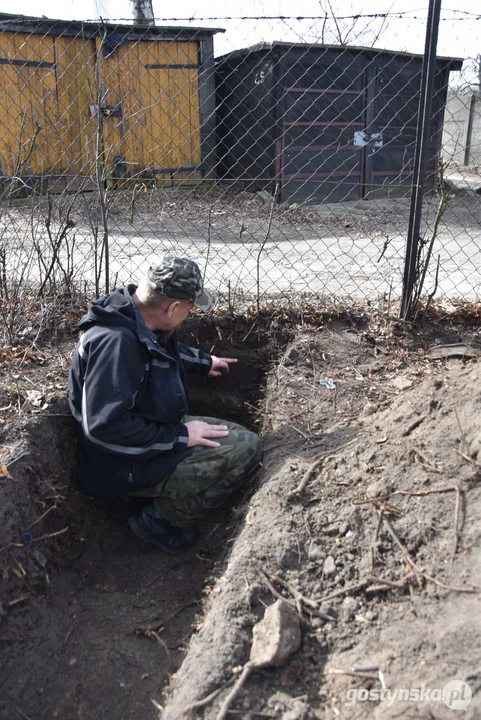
[291, 674]
[35, 397]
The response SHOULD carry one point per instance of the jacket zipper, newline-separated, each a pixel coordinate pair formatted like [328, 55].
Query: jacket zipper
[182, 392]
[180, 384]
[131, 476]
[179, 380]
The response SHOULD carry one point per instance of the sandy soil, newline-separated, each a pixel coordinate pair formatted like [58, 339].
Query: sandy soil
[379, 552]
[378, 564]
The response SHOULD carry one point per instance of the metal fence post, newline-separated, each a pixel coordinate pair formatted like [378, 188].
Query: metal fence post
[422, 140]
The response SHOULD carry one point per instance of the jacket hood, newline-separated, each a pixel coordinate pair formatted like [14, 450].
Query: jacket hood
[114, 309]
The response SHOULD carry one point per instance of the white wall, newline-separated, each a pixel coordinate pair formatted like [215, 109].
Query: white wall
[462, 127]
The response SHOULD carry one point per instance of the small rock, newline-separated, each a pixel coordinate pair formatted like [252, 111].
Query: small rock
[276, 637]
[402, 383]
[344, 529]
[315, 554]
[331, 529]
[263, 197]
[370, 615]
[39, 557]
[279, 702]
[328, 609]
[349, 607]
[329, 567]
[370, 408]
[376, 488]
[299, 711]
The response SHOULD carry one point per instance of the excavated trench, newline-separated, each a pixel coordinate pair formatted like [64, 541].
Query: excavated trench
[93, 621]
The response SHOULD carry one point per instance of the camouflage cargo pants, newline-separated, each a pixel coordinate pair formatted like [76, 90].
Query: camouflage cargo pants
[207, 476]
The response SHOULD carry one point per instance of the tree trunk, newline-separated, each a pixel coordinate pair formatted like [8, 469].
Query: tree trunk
[143, 12]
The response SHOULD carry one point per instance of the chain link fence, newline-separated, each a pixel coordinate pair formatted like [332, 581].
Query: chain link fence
[277, 152]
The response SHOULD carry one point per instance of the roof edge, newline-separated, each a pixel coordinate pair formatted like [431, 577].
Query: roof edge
[270, 46]
[54, 26]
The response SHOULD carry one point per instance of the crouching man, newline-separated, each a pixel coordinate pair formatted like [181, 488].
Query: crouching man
[129, 397]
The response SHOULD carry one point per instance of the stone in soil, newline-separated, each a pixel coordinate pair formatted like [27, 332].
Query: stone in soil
[276, 637]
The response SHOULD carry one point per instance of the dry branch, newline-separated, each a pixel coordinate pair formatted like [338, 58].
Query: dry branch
[458, 508]
[450, 587]
[268, 232]
[429, 463]
[403, 549]
[385, 582]
[416, 423]
[204, 701]
[158, 623]
[313, 467]
[352, 673]
[344, 591]
[50, 535]
[306, 477]
[428, 491]
[372, 549]
[463, 434]
[156, 635]
[222, 714]
[300, 599]
[39, 519]
[469, 459]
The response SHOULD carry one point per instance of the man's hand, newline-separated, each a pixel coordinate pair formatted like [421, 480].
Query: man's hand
[200, 432]
[220, 366]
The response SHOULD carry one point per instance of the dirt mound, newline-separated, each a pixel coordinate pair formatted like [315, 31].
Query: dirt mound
[367, 522]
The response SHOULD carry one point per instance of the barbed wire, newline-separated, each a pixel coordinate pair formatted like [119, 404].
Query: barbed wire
[400, 15]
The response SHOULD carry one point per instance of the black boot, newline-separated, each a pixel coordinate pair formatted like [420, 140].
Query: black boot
[150, 526]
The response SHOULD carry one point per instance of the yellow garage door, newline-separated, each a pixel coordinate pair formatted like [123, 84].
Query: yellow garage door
[151, 109]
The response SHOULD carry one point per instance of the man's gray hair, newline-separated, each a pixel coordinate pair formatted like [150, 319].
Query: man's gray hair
[149, 297]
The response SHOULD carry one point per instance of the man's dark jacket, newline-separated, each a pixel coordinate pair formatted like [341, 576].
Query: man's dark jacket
[128, 394]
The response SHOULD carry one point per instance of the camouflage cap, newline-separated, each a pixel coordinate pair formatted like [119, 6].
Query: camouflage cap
[181, 279]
